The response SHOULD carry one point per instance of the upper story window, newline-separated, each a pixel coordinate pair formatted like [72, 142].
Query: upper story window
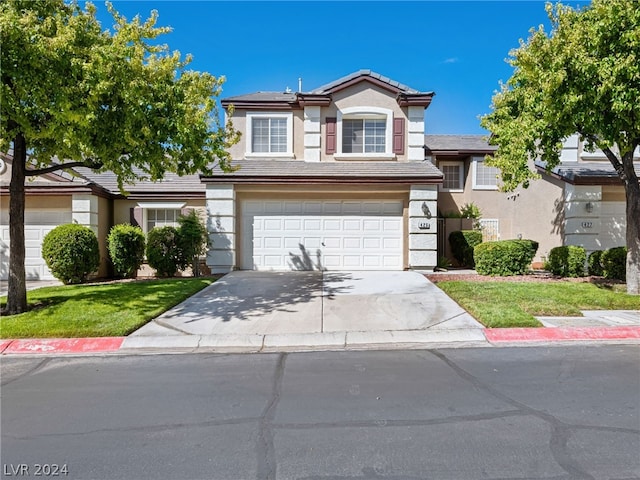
[453, 176]
[269, 134]
[365, 133]
[484, 177]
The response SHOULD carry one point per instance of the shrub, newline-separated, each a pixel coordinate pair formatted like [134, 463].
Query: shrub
[505, 257]
[71, 252]
[614, 263]
[462, 243]
[126, 249]
[193, 238]
[163, 251]
[567, 261]
[594, 263]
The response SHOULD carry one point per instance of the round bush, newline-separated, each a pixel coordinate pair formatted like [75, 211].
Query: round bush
[126, 249]
[614, 263]
[71, 252]
[593, 263]
[163, 251]
[504, 258]
[462, 243]
[567, 261]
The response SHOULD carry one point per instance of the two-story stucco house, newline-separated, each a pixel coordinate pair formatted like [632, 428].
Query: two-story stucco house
[335, 178]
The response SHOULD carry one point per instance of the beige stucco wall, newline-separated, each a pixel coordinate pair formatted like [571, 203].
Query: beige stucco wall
[535, 213]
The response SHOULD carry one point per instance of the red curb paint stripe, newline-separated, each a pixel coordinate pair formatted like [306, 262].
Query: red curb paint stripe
[560, 333]
[65, 345]
[4, 344]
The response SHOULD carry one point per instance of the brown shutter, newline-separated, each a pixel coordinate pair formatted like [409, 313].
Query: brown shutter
[135, 216]
[398, 136]
[331, 135]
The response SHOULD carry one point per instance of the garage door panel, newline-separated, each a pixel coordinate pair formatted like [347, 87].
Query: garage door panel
[37, 225]
[329, 234]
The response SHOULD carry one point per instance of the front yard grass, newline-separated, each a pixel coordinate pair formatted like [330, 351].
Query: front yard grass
[514, 304]
[97, 310]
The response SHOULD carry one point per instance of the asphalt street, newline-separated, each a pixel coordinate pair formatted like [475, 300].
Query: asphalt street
[496, 413]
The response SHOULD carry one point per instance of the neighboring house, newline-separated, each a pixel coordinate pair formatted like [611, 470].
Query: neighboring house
[581, 202]
[339, 178]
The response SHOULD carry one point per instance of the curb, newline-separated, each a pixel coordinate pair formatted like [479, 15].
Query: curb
[495, 337]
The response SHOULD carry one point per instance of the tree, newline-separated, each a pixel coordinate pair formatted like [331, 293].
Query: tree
[583, 77]
[76, 95]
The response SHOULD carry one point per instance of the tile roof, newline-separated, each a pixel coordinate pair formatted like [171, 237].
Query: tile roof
[263, 97]
[361, 73]
[171, 183]
[458, 142]
[259, 169]
[586, 172]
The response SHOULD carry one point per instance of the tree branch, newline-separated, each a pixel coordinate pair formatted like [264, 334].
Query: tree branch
[53, 168]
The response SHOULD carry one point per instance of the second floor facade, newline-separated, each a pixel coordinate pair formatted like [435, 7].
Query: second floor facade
[363, 116]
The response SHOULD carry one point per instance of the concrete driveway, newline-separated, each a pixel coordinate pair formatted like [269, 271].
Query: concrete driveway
[261, 303]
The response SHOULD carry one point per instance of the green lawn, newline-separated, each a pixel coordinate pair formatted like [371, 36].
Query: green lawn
[514, 304]
[99, 310]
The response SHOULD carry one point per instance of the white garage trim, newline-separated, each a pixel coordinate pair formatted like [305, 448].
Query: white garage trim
[321, 234]
[37, 225]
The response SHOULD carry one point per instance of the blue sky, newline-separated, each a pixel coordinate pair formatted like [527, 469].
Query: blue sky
[457, 49]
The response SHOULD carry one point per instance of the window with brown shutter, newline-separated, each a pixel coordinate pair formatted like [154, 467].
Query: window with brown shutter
[398, 136]
[330, 135]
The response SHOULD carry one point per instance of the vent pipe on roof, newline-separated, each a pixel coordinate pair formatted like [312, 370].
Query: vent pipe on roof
[299, 84]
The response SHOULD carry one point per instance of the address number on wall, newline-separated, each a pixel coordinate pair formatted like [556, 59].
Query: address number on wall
[587, 224]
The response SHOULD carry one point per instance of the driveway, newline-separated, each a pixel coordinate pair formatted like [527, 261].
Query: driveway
[247, 302]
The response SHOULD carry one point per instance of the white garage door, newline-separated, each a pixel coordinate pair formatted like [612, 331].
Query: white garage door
[331, 235]
[37, 225]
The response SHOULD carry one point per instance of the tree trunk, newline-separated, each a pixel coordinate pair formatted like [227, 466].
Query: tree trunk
[633, 236]
[17, 298]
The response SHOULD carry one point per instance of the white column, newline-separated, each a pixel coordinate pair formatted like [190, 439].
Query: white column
[221, 224]
[582, 225]
[84, 211]
[423, 224]
[312, 134]
[415, 132]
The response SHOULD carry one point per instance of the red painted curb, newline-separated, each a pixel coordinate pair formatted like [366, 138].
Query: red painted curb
[4, 344]
[561, 333]
[65, 345]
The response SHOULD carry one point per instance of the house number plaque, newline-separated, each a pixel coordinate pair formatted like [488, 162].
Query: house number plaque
[587, 224]
[424, 225]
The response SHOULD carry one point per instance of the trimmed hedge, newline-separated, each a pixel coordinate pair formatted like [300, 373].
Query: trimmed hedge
[505, 257]
[71, 252]
[594, 264]
[567, 261]
[163, 251]
[462, 244]
[126, 249]
[614, 263]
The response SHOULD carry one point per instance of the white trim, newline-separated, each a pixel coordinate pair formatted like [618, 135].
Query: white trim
[288, 116]
[460, 166]
[474, 174]
[365, 112]
[162, 205]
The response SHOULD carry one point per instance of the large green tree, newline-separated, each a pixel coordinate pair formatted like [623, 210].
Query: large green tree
[75, 94]
[581, 77]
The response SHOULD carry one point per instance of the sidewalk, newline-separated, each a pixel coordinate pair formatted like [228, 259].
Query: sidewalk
[605, 326]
